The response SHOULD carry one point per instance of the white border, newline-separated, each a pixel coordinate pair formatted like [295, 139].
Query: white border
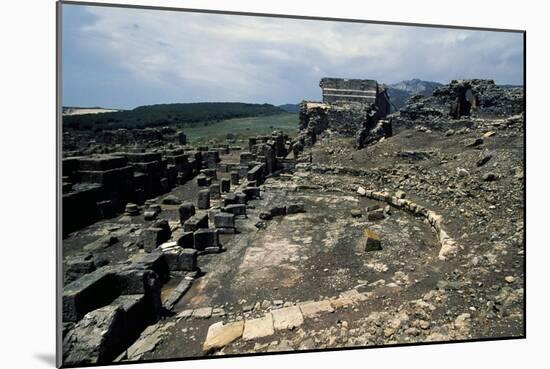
[28, 181]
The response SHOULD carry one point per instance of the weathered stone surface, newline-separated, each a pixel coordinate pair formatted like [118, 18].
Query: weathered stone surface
[197, 221]
[236, 209]
[186, 211]
[224, 220]
[287, 318]
[203, 199]
[219, 335]
[152, 238]
[87, 293]
[78, 266]
[202, 313]
[295, 208]
[258, 328]
[96, 339]
[313, 309]
[252, 193]
[186, 240]
[101, 243]
[171, 200]
[214, 191]
[235, 178]
[188, 260]
[377, 214]
[205, 238]
[225, 185]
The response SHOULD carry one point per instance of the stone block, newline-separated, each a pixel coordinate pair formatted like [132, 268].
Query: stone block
[214, 191]
[372, 242]
[152, 238]
[258, 328]
[277, 211]
[154, 261]
[224, 220]
[205, 238]
[188, 260]
[203, 199]
[313, 309]
[101, 163]
[186, 211]
[252, 193]
[219, 335]
[87, 293]
[97, 339]
[295, 208]
[236, 209]
[245, 157]
[235, 178]
[287, 318]
[186, 240]
[197, 221]
[203, 181]
[225, 185]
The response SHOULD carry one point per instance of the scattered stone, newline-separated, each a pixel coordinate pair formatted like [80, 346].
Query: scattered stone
[375, 215]
[473, 142]
[489, 177]
[356, 213]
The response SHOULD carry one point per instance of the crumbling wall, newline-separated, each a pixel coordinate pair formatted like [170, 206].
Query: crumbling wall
[462, 98]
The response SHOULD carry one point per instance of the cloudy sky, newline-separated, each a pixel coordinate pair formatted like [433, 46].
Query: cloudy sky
[123, 58]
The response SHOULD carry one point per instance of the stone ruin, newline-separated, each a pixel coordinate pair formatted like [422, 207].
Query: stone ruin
[108, 140]
[351, 108]
[107, 303]
[478, 98]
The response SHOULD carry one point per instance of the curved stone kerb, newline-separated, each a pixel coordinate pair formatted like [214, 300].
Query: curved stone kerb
[449, 247]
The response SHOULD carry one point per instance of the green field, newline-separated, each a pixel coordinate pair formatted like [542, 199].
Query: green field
[240, 128]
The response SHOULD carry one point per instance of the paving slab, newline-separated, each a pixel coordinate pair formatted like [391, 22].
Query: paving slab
[287, 318]
[258, 328]
[219, 335]
[202, 313]
[313, 309]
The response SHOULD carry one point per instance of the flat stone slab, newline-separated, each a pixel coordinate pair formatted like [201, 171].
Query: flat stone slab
[287, 318]
[354, 295]
[202, 313]
[258, 328]
[219, 335]
[312, 309]
[341, 302]
[185, 314]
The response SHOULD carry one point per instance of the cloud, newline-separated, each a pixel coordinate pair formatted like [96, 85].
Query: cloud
[205, 57]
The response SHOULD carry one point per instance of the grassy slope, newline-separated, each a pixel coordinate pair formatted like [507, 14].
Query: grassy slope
[242, 128]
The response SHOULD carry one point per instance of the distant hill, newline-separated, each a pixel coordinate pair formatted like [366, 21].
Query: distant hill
[78, 110]
[169, 114]
[399, 92]
[290, 108]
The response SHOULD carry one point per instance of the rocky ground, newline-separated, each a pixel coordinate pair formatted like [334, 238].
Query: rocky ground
[444, 197]
[310, 269]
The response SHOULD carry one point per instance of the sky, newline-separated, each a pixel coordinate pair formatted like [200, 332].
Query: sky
[123, 58]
